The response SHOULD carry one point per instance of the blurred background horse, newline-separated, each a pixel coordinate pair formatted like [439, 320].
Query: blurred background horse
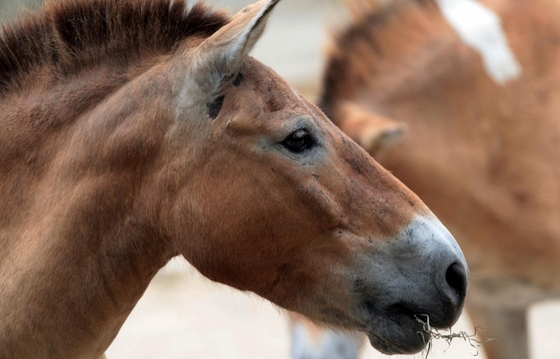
[476, 86]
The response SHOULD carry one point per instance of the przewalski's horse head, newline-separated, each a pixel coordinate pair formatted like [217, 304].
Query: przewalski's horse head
[476, 83]
[134, 131]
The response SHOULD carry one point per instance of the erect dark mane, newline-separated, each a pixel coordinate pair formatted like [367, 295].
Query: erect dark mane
[366, 18]
[67, 35]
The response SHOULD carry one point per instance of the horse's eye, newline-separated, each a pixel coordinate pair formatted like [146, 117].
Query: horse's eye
[298, 141]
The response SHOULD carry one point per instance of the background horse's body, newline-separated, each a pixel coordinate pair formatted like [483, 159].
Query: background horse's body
[135, 131]
[480, 97]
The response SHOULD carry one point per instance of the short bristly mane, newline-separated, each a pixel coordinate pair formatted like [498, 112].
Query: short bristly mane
[358, 40]
[67, 35]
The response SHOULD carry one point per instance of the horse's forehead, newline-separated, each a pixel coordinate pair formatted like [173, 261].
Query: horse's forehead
[275, 93]
[265, 81]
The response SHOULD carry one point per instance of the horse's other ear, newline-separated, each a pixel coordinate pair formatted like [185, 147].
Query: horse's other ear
[374, 132]
[222, 54]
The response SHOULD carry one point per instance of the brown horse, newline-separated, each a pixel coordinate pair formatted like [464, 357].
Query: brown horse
[477, 84]
[134, 131]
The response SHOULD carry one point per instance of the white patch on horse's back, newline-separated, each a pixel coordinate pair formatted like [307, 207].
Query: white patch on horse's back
[481, 28]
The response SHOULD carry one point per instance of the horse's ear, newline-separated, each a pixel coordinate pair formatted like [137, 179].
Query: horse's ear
[222, 54]
[375, 133]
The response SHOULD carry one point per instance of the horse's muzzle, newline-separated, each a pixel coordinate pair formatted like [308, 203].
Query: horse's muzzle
[418, 282]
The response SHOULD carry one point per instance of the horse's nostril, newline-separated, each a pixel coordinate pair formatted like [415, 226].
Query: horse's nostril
[456, 278]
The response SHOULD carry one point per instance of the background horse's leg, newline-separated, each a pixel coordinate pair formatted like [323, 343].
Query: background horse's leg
[507, 327]
[310, 341]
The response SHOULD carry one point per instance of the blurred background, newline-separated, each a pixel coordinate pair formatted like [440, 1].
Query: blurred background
[182, 315]
[10, 8]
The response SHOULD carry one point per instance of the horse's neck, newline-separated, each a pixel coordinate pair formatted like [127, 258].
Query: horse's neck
[69, 282]
[76, 251]
[73, 273]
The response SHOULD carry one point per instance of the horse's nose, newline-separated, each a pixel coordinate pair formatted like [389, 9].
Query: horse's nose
[454, 284]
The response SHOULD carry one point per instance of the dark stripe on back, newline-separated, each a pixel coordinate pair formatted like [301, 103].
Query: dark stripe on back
[364, 28]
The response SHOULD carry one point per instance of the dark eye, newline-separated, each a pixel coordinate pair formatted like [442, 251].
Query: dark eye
[298, 141]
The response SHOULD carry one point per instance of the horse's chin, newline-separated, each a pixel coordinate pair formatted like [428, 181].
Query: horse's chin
[394, 347]
[398, 334]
